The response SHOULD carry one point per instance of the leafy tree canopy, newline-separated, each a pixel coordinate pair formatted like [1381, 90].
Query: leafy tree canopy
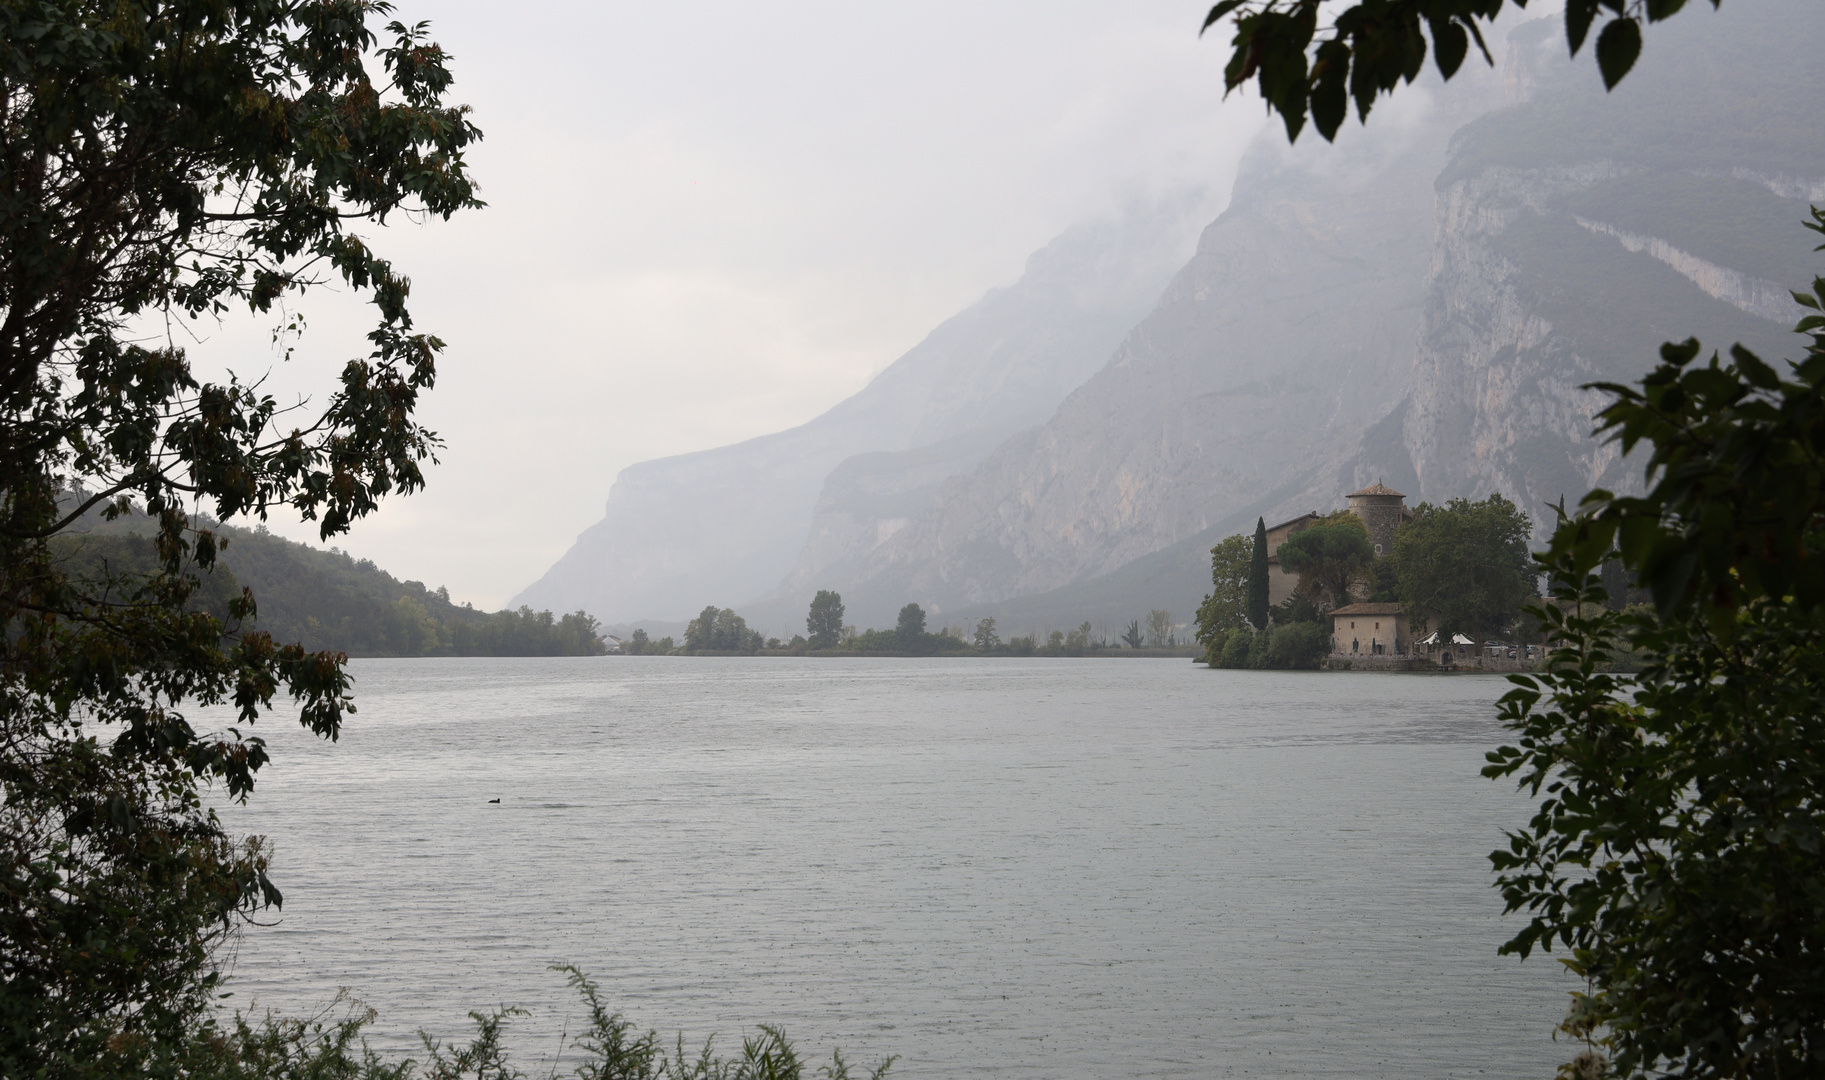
[1315, 57]
[1226, 606]
[1159, 628]
[642, 644]
[1465, 564]
[911, 627]
[1677, 851]
[166, 162]
[824, 623]
[1329, 556]
[721, 630]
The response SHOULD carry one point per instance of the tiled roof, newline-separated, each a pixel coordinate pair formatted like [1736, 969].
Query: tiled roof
[1367, 609]
[1293, 521]
[1379, 489]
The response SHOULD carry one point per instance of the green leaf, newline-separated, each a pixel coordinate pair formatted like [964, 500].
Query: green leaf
[1450, 44]
[1578, 16]
[1330, 95]
[1481, 45]
[1805, 300]
[1758, 373]
[1218, 12]
[1294, 115]
[1617, 48]
[1681, 353]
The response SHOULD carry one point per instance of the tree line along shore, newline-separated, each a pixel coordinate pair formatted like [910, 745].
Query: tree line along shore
[723, 632]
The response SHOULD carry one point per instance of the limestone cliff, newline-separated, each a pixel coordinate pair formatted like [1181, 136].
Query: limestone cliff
[1291, 330]
[1575, 231]
[1420, 306]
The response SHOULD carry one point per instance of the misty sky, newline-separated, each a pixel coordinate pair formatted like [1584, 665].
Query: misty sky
[711, 220]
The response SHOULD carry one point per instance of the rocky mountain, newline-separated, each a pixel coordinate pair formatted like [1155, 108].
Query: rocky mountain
[1287, 334]
[1420, 303]
[724, 526]
[1576, 231]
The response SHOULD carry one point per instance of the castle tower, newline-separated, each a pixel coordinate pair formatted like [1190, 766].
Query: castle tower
[1382, 509]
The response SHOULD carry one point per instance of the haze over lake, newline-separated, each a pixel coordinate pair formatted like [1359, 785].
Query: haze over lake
[1020, 868]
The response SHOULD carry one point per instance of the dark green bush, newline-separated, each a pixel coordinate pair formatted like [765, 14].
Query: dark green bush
[1235, 648]
[1257, 649]
[1293, 647]
[1297, 646]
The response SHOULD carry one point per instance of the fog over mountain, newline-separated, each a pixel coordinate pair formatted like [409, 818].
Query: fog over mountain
[1419, 303]
[725, 525]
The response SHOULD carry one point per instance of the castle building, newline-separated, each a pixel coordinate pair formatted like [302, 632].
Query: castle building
[1280, 583]
[1380, 507]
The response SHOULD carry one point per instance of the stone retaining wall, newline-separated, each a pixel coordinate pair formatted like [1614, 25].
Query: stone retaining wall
[1370, 662]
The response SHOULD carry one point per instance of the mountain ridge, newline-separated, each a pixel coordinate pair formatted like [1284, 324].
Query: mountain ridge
[728, 524]
[1422, 302]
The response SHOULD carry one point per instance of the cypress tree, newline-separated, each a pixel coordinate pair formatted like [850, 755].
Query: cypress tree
[1257, 578]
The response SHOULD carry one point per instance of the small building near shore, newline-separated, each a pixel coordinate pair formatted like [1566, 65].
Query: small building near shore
[1369, 630]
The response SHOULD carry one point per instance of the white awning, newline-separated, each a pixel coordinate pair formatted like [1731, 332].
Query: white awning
[1459, 639]
[1432, 640]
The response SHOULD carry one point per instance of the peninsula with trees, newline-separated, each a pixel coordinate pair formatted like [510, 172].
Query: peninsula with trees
[1375, 586]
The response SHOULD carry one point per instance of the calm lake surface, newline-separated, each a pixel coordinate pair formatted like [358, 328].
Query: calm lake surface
[1009, 868]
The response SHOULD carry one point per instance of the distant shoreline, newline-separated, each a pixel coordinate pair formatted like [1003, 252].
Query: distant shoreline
[875, 654]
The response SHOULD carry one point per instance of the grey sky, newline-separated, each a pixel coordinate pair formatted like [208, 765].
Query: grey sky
[710, 220]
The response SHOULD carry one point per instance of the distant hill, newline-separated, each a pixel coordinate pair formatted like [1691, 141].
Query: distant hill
[326, 600]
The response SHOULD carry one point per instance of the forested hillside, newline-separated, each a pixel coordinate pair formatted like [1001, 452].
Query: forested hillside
[329, 600]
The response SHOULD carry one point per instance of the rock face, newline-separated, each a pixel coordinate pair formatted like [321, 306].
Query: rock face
[1289, 333]
[726, 525]
[1575, 232]
[1419, 305]
[1420, 308]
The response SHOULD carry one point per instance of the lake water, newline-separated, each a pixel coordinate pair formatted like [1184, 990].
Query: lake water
[1009, 868]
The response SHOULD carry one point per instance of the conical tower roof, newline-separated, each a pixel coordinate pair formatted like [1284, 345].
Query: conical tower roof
[1378, 489]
